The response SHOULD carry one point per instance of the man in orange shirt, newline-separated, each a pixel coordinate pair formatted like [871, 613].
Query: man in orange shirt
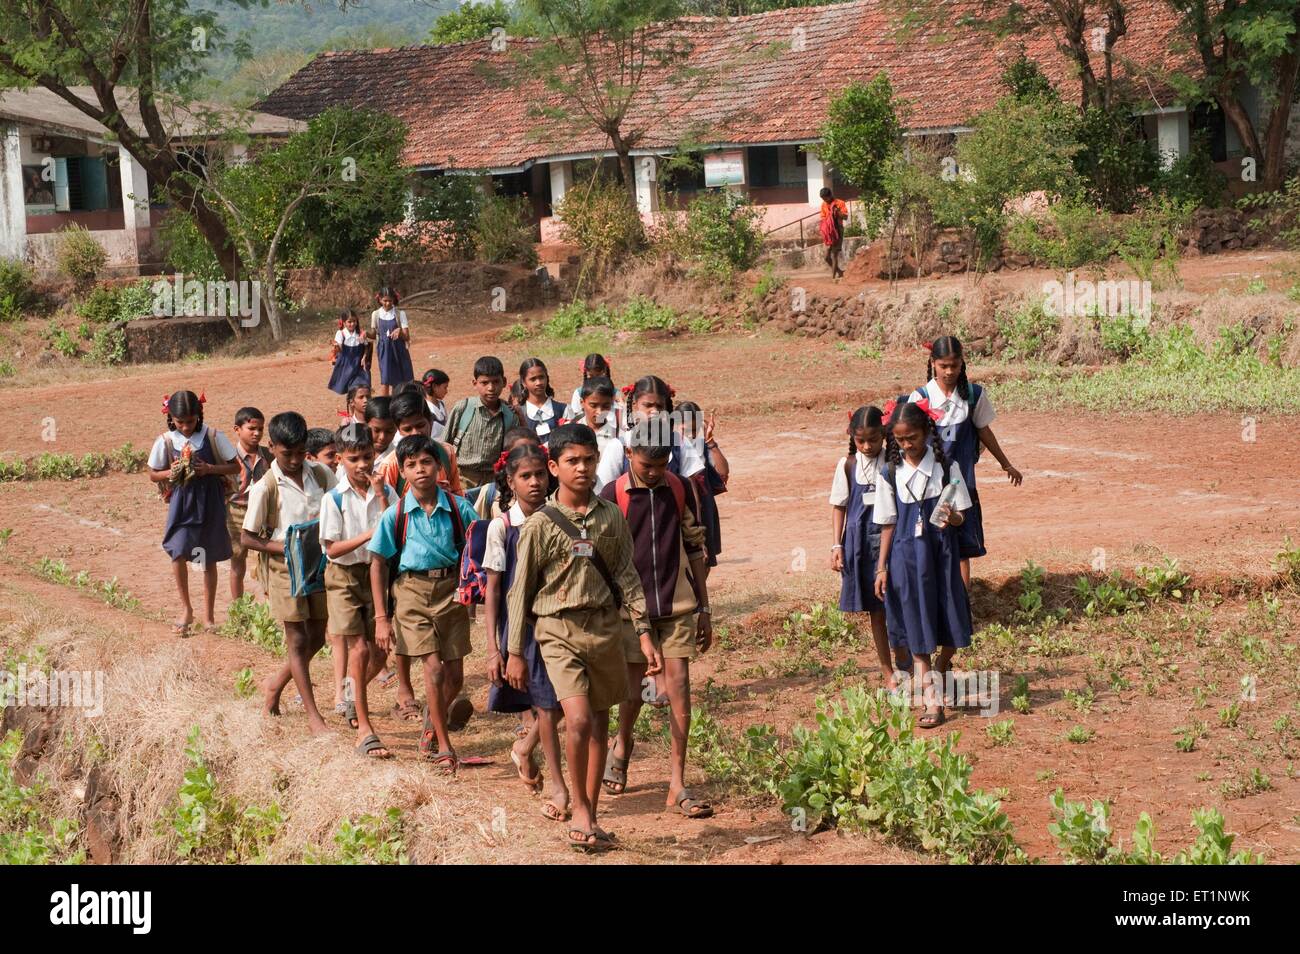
[834, 213]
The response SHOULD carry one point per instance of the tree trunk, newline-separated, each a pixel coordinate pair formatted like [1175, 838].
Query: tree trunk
[629, 175]
[1279, 119]
[1236, 114]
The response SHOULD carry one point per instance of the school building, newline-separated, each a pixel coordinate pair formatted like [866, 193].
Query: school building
[772, 78]
[59, 167]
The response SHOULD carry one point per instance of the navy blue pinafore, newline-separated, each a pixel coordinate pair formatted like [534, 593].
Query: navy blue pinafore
[394, 357]
[540, 693]
[196, 513]
[861, 547]
[961, 442]
[349, 369]
[926, 605]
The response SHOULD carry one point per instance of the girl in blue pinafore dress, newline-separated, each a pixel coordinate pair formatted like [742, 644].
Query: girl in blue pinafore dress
[523, 484]
[965, 416]
[391, 332]
[349, 354]
[199, 458]
[918, 573]
[856, 550]
[711, 482]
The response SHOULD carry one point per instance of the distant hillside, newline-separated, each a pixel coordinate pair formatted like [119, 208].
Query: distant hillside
[284, 35]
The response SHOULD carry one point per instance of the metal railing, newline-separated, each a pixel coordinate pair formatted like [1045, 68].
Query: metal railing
[799, 222]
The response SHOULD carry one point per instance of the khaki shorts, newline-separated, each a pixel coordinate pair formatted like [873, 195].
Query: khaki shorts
[431, 622]
[351, 604]
[292, 609]
[674, 635]
[583, 653]
[235, 513]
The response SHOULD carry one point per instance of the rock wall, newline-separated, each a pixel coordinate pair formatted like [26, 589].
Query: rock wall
[455, 285]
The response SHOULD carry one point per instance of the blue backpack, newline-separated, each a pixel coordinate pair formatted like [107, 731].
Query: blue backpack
[473, 577]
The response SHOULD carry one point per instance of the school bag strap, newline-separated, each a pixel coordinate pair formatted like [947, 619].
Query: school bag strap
[672, 480]
[598, 561]
[848, 470]
[462, 415]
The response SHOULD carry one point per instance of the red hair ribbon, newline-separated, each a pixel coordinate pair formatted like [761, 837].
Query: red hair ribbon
[924, 405]
[340, 324]
[167, 399]
[927, 345]
[501, 462]
[545, 451]
[672, 391]
[203, 397]
[629, 388]
[890, 407]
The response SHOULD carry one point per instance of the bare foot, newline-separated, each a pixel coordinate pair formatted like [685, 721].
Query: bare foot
[270, 699]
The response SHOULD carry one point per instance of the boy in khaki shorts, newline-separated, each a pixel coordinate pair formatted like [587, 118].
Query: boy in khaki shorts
[349, 514]
[418, 542]
[669, 554]
[254, 459]
[289, 494]
[574, 572]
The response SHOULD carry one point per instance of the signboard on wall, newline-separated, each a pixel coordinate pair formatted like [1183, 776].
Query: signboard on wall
[724, 168]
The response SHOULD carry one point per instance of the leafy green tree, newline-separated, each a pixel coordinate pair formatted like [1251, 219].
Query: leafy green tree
[1241, 44]
[324, 195]
[861, 132]
[154, 48]
[1024, 79]
[471, 21]
[619, 67]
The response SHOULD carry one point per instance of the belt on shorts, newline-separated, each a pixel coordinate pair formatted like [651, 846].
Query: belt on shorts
[440, 574]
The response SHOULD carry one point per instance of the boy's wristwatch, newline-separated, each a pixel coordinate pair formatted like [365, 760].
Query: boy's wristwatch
[705, 610]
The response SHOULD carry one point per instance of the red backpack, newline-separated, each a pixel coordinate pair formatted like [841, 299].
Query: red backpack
[472, 586]
[674, 482]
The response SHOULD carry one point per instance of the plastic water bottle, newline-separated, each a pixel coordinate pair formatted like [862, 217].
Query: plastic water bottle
[939, 516]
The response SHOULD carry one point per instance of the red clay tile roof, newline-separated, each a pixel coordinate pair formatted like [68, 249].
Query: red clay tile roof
[459, 118]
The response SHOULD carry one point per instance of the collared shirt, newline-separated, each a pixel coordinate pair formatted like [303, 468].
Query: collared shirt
[494, 550]
[430, 543]
[159, 459]
[688, 452]
[439, 424]
[448, 480]
[388, 314]
[610, 463]
[613, 420]
[663, 543]
[482, 435]
[252, 466]
[297, 504]
[351, 516]
[915, 484]
[550, 578]
[349, 339]
[954, 407]
[866, 470]
[545, 418]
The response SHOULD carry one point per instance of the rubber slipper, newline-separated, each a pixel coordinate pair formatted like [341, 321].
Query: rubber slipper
[532, 782]
[554, 812]
[459, 714]
[444, 760]
[693, 807]
[408, 711]
[615, 773]
[370, 744]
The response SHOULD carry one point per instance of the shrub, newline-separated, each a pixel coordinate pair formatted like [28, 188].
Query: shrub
[1076, 234]
[108, 346]
[1150, 236]
[503, 233]
[861, 131]
[1114, 161]
[79, 255]
[1125, 335]
[720, 235]
[443, 216]
[601, 220]
[1192, 179]
[252, 622]
[1028, 331]
[211, 826]
[15, 289]
[367, 841]
[862, 767]
[186, 250]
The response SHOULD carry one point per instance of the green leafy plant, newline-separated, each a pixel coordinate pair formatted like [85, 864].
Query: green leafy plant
[718, 237]
[1125, 335]
[64, 343]
[252, 622]
[1029, 604]
[1001, 733]
[211, 827]
[862, 767]
[1020, 695]
[108, 347]
[369, 840]
[16, 292]
[1109, 597]
[862, 130]
[598, 218]
[823, 628]
[28, 835]
[503, 231]
[1079, 734]
[79, 255]
[245, 685]
[1028, 331]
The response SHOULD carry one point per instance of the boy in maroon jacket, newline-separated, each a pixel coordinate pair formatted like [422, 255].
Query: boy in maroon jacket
[669, 553]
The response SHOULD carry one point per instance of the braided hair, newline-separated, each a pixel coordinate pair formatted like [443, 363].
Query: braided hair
[183, 404]
[863, 418]
[947, 347]
[528, 365]
[515, 459]
[649, 385]
[913, 416]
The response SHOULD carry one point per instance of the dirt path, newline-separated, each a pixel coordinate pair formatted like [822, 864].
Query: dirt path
[1131, 488]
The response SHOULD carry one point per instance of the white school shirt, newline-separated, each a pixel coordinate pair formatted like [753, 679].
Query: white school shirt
[613, 420]
[690, 453]
[159, 459]
[954, 407]
[610, 464]
[915, 484]
[388, 314]
[543, 418]
[494, 550]
[349, 339]
[438, 426]
[868, 469]
[297, 504]
[352, 516]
